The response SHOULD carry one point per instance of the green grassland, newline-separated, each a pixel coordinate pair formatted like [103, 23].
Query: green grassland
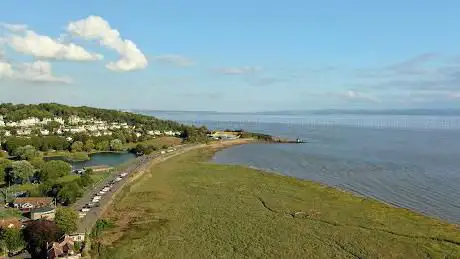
[187, 207]
[156, 142]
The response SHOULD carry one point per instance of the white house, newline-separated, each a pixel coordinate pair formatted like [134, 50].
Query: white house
[150, 132]
[69, 139]
[107, 133]
[96, 134]
[12, 124]
[29, 122]
[2, 123]
[7, 133]
[59, 120]
[169, 133]
[23, 132]
[138, 134]
[45, 121]
[77, 129]
[44, 132]
[157, 132]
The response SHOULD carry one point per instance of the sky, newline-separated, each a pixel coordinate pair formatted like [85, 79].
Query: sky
[232, 56]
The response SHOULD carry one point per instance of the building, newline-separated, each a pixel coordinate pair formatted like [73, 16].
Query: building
[62, 249]
[44, 132]
[98, 168]
[43, 213]
[77, 237]
[29, 203]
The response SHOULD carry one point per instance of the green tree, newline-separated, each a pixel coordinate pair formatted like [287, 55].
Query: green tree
[66, 220]
[69, 192]
[26, 152]
[116, 145]
[103, 145]
[54, 169]
[13, 238]
[85, 179]
[21, 170]
[77, 146]
[89, 145]
[4, 165]
[37, 162]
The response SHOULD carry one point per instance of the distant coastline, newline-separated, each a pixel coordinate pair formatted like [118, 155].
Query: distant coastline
[407, 112]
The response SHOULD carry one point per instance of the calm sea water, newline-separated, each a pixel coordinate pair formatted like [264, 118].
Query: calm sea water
[408, 161]
[104, 158]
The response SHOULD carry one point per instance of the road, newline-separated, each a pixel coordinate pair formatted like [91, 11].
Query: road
[141, 163]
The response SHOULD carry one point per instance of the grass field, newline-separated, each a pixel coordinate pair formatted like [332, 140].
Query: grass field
[187, 207]
[157, 142]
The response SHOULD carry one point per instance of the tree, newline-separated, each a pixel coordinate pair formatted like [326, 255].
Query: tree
[54, 169]
[77, 146]
[89, 145]
[21, 170]
[66, 220]
[85, 179]
[103, 145]
[26, 152]
[37, 162]
[116, 145]
[69, 192]
[13, 238]
[38, 233]
[4, 165]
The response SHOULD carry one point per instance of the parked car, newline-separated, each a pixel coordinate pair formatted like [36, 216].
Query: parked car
[118, 179]
[85, 209]
[123, 174]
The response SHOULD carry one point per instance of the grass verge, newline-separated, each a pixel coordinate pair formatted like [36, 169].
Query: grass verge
[187, 207]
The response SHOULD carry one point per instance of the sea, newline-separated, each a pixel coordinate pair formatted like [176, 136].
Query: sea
[410, 161]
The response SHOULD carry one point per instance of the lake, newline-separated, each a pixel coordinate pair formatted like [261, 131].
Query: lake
[104, 158]
[407, 161]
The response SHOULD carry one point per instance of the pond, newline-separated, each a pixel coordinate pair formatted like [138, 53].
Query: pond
[104, 158]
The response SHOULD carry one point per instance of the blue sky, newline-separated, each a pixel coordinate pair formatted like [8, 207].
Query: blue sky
[232, 56]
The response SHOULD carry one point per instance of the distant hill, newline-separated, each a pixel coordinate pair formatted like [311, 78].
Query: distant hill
[433, 112]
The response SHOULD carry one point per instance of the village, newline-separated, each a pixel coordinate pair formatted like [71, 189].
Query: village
[74, 124]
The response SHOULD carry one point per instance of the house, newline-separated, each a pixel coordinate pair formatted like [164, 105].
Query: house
[28, 203]
[77, 237]
[168, 133]
[62, 249]
[2, 123]
[44, 132]
[59, 120]
[10, 223]
[98, 168]
[157, 132]
[45, 121]
[11, 124]
[7, 133]
[138, 134]
[69, 139]
[28, 122]
[23, 132]
[47, 213]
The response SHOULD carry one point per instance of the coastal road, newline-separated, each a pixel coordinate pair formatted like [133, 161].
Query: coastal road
[142, 163]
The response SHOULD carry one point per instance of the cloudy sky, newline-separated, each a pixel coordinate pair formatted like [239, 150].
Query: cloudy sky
[232, 55]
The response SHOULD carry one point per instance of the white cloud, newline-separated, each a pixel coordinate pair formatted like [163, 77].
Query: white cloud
[354, 96]
[44, 47]
[96, 28]
[14, 27]
[38, 72]
[174, 59]
[238, 70]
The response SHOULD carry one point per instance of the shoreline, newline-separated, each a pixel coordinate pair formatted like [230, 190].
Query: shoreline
[349, 191]
[375, 217]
